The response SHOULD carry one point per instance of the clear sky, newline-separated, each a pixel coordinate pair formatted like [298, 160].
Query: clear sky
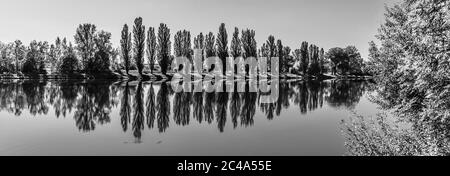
[326, 23]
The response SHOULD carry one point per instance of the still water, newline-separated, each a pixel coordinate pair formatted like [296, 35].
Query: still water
[149, 118]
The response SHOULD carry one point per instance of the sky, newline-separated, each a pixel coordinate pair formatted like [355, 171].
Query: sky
[326, 23]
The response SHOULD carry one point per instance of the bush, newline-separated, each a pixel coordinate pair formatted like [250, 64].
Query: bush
[69, 64]
[99, 63]
[29, 67]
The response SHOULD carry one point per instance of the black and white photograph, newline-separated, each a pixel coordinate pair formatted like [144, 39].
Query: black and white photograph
[224, 78]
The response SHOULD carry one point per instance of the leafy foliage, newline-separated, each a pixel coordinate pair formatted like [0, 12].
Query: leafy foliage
[125, 44]
[139, 44]
[85, 41]
[164, 47]
[222, 46]
[151, 48]
[412, 73]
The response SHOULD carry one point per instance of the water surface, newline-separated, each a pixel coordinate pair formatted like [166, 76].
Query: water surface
[149, 118]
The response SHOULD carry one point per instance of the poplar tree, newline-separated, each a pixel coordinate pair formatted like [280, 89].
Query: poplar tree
[304, 60]
[222, 46]
[125, 44]
[249, 46]
[19, 53]
[151, 48]
[164, 47]
[236, 47]
[199, 45]
[139, 44]
[322, 61]
[210, 50]
[281, 64]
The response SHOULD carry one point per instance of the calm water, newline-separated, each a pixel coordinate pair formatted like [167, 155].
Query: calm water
[145, 118]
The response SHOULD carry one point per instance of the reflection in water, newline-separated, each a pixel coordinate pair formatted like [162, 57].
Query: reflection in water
[138, 118]
[345, 94]
[125, 109]
[150, 106]
[182, 108]
[93, 107]
[163, 107]
[221, 110]
[235, 106]
[141, 103]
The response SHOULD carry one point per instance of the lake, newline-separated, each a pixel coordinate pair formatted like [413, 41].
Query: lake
[150, 118]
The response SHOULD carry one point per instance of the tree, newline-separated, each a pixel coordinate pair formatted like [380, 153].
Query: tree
[52, 57]
[69, 61]
[5, 52]
[101, 61]
[288, 61]
[115, 55]
[210, 50]
[19, 53]
[182, 44]
[415, 67]
[163, 47]
[304, 60]
[85, 41]
[355, 61]
[60, 50]
[322, 61]
[374, 64]
[125, 44]
[271, 46]
[270, 50]
[314, 66]
[236, 47]
[187, 50]
[346, 60]
[31, 65]
[151, 48]
[44, 54]
[177, 44]
[199, 42]
[297, 60]
[339, 60]
[222, 46]
[411, 69]
[281, 59]
[249, 46]
[139, 44]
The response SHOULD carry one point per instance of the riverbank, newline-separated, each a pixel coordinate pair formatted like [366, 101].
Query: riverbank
[147, 76]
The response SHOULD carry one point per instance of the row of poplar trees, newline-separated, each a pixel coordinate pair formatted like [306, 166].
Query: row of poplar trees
[243, 44]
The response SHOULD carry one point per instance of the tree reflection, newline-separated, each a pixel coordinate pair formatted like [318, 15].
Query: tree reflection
[93, 107]
[34, 93]
[210, 98]
[92, 102]
[248, 106]
[163, 108]
[138, 117]
[345, 93]
[182, 108]
[301, 97]
[221, 110]
[64, 97]
[235, 106]
[150, 106]
[125, 108]
[198, 106]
